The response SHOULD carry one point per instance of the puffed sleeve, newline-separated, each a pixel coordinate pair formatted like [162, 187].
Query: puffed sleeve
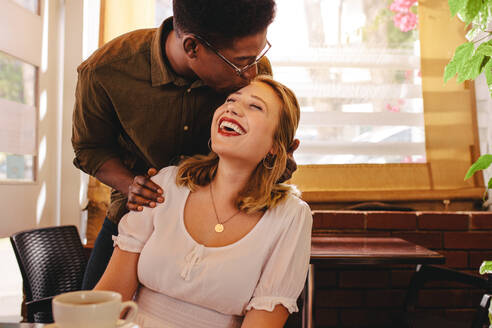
[136, 227]
[284, 275]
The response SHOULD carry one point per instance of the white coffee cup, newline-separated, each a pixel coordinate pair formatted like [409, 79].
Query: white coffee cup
[91, 308]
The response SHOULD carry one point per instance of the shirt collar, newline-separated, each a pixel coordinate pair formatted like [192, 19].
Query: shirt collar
[161, 71]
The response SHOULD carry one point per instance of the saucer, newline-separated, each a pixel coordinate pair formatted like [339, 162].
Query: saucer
[128, 325]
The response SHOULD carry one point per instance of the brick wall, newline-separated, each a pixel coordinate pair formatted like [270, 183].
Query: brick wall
[373, 296]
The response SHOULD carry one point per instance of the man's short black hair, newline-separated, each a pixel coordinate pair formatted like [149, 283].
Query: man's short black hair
[222, 21]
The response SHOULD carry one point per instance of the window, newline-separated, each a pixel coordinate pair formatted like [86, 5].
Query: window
[390, 129]
[355, 70]
[19, 62]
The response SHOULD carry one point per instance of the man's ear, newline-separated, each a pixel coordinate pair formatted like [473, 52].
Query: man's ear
[190, 46]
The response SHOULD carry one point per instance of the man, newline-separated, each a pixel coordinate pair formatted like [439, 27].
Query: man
[145, 100]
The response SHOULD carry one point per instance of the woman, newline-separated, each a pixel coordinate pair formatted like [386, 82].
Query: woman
[229, 247]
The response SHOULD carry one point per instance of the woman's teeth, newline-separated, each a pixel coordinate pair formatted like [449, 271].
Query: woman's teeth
[229, 126]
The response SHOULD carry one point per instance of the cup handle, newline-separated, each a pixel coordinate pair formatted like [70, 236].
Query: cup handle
[132, 313]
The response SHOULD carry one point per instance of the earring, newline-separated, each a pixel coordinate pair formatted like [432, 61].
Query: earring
[269, 158]
[210, 144]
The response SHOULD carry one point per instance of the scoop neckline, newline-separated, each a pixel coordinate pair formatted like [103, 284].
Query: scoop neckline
[237, 242]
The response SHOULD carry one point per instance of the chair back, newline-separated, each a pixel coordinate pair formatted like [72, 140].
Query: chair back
[51, 261]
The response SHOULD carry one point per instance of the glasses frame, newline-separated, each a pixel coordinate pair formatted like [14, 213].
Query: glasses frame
[239, 71]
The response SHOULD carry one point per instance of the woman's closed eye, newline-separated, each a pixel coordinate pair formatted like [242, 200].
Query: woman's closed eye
[255, 106]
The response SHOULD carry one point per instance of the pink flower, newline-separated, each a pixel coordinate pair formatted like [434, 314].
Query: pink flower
[402, 6]
[405, 21]
[391, 108]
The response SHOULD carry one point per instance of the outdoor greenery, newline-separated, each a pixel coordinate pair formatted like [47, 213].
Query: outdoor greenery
[470, 60]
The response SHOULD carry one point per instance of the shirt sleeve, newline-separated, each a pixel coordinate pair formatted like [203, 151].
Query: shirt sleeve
[135, 228]
[95, 127]
[284, 275]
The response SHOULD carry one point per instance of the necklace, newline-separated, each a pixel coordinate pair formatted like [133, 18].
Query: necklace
[219, 227]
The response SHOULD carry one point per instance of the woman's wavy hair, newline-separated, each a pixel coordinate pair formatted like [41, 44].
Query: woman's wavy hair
[262, 190]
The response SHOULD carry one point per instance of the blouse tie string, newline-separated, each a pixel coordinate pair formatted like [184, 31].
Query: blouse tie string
[190, 260]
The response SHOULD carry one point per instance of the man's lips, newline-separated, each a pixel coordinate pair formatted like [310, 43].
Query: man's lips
[230, 131]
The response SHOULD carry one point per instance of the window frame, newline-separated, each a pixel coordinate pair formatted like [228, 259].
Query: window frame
[448, 108]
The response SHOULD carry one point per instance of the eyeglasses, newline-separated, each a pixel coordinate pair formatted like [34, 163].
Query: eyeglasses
[239, 71]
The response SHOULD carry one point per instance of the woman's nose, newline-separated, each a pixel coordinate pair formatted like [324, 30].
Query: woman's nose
[235, 109]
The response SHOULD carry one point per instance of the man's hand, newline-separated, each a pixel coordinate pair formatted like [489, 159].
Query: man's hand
[291, 165]
[144, 192]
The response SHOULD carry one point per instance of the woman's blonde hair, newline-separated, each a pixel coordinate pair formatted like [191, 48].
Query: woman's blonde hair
[262, 190]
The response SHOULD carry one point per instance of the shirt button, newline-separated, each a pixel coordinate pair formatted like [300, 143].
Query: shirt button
[181, 156]
[185, 127]
[188, 90]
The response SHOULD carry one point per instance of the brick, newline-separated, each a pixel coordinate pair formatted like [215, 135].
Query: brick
[391, 220]
[338, 220]
[428, 239]
[338, 298]
[442, 221]
[387, 298]
[401, 278]
[325, 317]
[461, 315]
[445, 298]
[481, 221]
[456, 259]
[364, 279]
[325, 278]
[468, 240]
[476, 259]
[366, 318]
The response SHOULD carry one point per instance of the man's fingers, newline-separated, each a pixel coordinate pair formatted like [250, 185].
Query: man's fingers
[147, 183]
[134, 207]
[151, 172]
[145, 193]
[140, 201]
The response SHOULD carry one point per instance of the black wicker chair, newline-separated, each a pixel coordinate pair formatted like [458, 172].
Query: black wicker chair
[51, 261]
[430, 273]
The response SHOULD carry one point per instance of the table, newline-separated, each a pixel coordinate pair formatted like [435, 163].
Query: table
[343, 251]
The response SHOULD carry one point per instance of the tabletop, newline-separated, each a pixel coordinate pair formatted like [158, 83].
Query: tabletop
[370, 250]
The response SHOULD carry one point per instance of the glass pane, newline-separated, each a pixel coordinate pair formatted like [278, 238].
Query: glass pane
[17, 80]
[31, 5]
[16, 167]
[352, 57]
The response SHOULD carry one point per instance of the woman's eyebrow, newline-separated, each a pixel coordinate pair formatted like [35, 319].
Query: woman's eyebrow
[259, 98]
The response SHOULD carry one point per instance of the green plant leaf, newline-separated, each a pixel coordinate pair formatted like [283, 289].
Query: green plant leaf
[450, 70]
[489, 184]
[471, 68]
[470, 11]
[488, 75]
[485, 48]
[486, 267]
[461, 56]
[455, 6]
[481, 164]
[485, 61]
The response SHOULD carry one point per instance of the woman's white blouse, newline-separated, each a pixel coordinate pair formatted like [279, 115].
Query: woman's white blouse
[265, 268]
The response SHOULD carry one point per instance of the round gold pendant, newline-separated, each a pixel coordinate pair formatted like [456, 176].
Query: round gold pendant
[219, 227]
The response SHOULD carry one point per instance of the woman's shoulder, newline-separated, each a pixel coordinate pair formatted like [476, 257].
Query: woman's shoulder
[294, 208]
[166, 176]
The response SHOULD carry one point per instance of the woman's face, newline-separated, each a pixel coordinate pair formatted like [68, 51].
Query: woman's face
[243, 127]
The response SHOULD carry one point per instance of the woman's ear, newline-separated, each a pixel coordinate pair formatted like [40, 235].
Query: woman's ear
[190, 46]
